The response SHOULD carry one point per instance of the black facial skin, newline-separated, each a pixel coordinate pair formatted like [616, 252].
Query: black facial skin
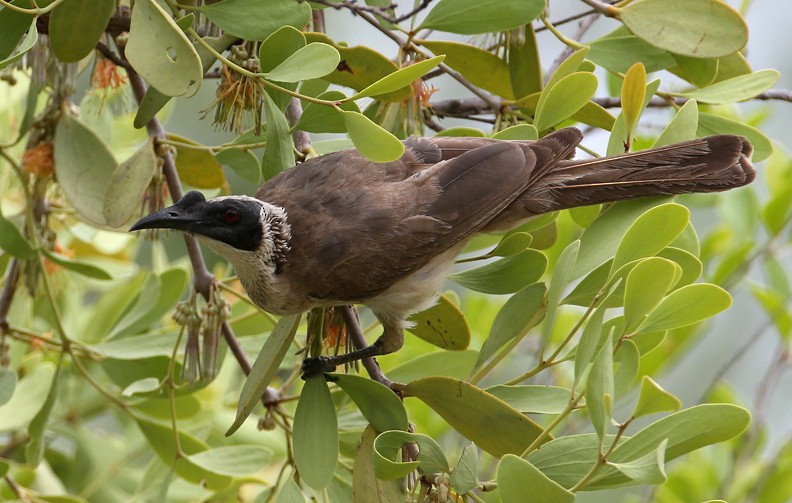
[235, 222]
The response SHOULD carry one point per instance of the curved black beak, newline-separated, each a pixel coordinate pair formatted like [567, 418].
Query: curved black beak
[182, 216]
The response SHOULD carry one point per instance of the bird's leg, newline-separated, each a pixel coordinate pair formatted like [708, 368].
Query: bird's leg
[391, 340]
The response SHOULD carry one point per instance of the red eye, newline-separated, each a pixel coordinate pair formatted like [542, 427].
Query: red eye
[231, 216]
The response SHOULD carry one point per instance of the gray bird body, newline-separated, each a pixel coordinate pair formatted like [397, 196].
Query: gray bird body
[341, 229]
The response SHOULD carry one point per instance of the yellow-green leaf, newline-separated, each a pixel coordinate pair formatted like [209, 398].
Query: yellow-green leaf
[370, 139]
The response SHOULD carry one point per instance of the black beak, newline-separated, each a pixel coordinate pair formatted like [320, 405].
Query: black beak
[182, 216]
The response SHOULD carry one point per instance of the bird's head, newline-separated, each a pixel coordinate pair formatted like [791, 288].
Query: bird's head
[240, 228]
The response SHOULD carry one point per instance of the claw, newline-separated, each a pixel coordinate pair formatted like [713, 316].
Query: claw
[317, 365]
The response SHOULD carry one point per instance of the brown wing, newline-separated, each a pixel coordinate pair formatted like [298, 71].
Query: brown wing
[347, 213]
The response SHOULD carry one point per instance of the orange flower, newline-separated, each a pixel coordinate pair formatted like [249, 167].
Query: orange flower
[38, 160]
[107, 75]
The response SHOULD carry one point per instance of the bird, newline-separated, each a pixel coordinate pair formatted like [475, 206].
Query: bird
[341, 229]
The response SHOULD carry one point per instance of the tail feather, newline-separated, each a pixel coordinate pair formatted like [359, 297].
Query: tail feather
[711, 164]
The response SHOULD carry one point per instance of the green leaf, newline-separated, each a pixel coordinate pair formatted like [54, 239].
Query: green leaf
[431, 458]
[75, 27]
[734, 89]
[715, 124]
[587, 347]
[600, 388]
[315, 437]
[84, 166]
[16, 52]
[653, 399]
[378, 404]
[464, 476]
[400, 78]
[467, 409]
[470, 17]
[618, 53]
[646, 286]
[518, 132]
[365, 484]
[628, 360]
[700, 72]
[682, 127]
[361, 66]
[29, 397]
[8, 382]
[482, 68]
[523, 311]
[267, 363]
[160, 437]
[461, 131]
[599, 241]
[443, 325]
[13, 25]
[279, 154]
[313, 61]
[124, 194]
[233, 460]
[160, 292]
[511, 245]
[648, 469]
[620, 139]
[13, 242]
[257, 19]
[35, 447]
[525, 68]
[559, 281]
[506, 275]
[136, 348]
[80, 267]
[456, 364]
[686, 431]
[160, 51]
[318, 118]
[633, 95]
[690, 304]
[519, 480]
[533, 399]
[290, 493]
[569, 66]
[244, 163]
[701, 29]
[197, 166]
[650, 233]
[375, 143]
[561, 101]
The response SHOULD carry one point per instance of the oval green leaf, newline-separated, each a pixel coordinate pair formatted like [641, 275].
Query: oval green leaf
[490, 423]
[482, 68]
[399, 78]
[267, 363]
[375, 143]
[519, 480]
[715, 124]
[233, 460]
[700, 29]
[533, 399]
[77, 266]
[378, 404]
[740, 88]
[561, 101]
[443, 325]
[257, 19]
[646, 286]
[650, 233]
[506, 275]
[313, 61]
[160, 51]
[76, 26]
[84, 167]
[470, 17]
[653, 398]
[315, 437]
[124, 194]
[690, 304]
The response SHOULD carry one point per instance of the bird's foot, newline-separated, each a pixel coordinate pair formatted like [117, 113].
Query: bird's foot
[317, 365]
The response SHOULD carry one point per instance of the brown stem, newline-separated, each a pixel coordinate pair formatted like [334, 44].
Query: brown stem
[359, 341]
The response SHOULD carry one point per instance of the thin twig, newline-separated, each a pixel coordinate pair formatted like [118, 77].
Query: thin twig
[359, 341]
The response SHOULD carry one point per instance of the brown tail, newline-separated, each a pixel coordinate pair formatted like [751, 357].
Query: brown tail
[710, 164]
